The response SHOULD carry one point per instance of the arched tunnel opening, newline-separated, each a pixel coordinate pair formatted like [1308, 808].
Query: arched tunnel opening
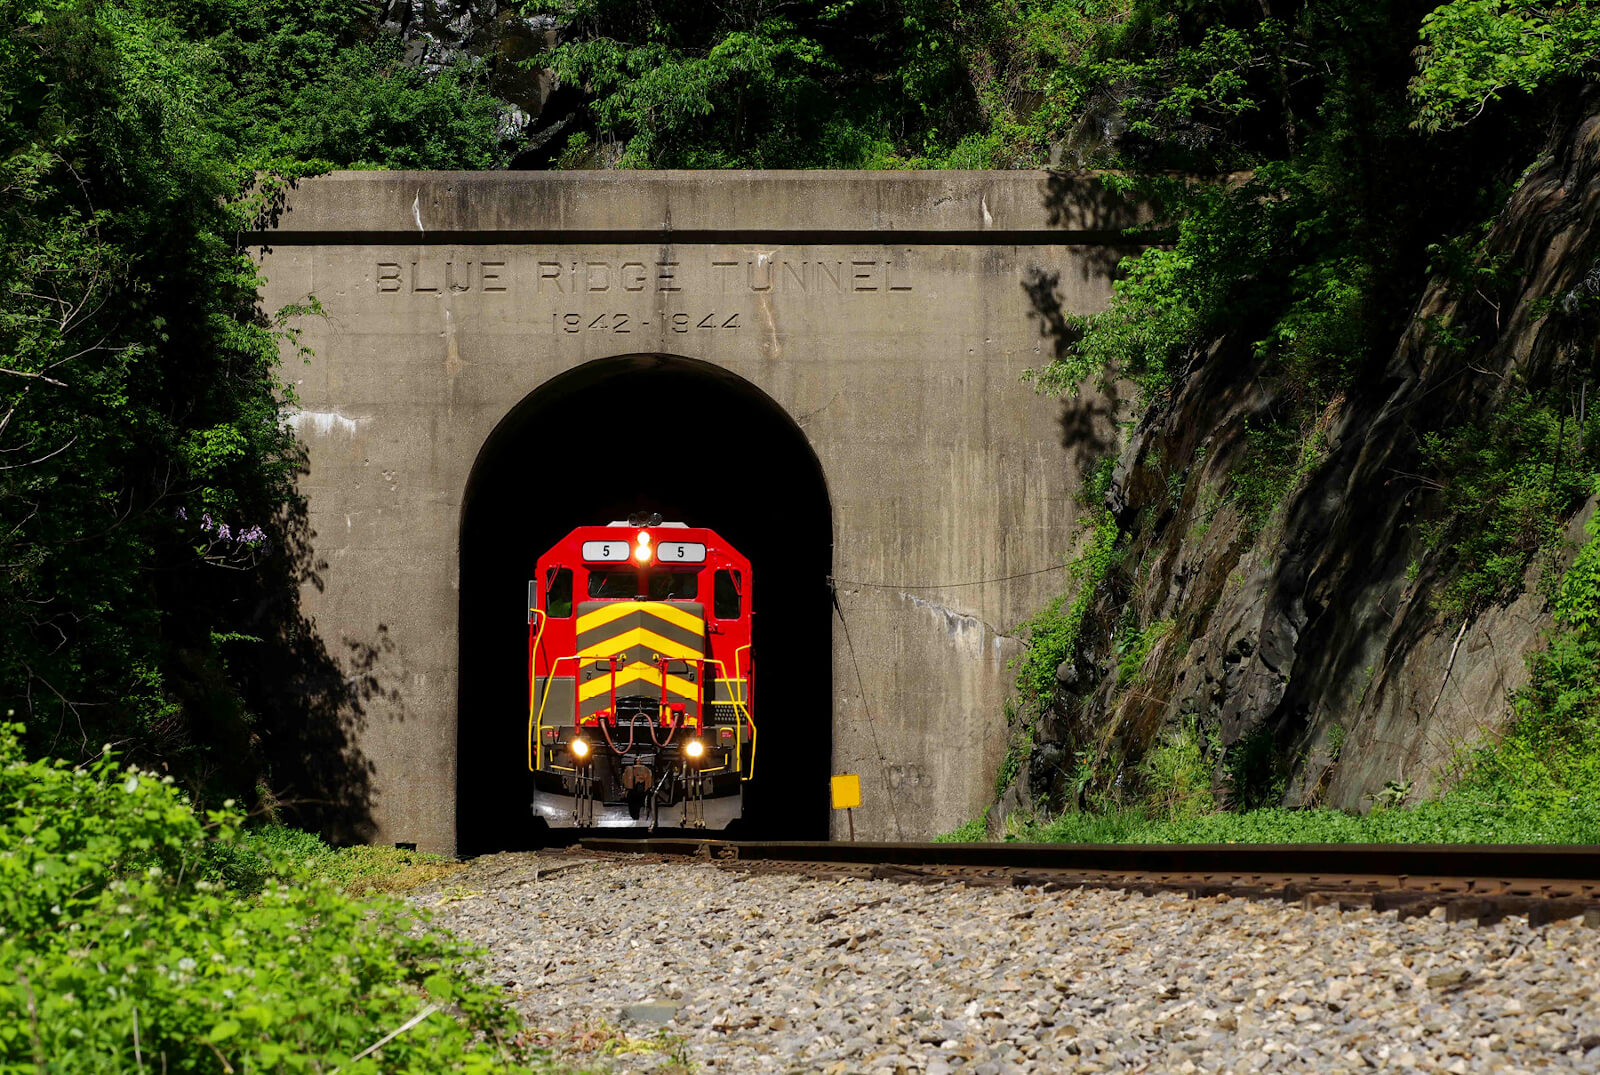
[699, 445]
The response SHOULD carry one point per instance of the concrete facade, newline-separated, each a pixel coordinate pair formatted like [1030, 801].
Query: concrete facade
[890, 316]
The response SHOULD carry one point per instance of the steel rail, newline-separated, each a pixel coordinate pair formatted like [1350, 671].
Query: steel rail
[1483, 883]
[1510, 862]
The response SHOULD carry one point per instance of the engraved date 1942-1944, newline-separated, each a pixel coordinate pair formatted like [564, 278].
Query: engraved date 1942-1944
[624, 323]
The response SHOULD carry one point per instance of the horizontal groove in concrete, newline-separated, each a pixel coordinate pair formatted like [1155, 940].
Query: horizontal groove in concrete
[808, 237]
[994, 208]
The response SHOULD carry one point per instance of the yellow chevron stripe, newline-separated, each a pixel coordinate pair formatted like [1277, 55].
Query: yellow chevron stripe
[676, 616]
[632, 674]
[641, 636]
[602, 616]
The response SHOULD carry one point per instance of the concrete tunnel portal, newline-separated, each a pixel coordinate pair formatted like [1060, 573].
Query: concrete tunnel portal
[492, 366]
[699, 445]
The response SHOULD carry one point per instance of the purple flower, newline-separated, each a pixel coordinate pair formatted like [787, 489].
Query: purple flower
[206, 523]
[182, 513]
[224, 532]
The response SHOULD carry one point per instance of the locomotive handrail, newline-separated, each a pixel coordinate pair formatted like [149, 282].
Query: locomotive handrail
[741, 702]
[740, 706]
[549, 681]
[534, 637]
[747, 700]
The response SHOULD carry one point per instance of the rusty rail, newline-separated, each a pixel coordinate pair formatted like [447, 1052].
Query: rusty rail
[1470, 882]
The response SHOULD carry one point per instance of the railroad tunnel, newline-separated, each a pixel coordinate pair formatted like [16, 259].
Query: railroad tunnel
[702, 446]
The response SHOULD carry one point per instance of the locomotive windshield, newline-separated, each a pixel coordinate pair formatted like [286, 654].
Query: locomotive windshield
[656, 585]
[613, 583]
[673, 585]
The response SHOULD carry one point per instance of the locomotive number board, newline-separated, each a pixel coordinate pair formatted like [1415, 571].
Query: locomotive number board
[606, 551]
[681, 552]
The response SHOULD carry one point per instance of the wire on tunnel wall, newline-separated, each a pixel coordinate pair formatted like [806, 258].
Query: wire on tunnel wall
[872, 725]
[944, 585]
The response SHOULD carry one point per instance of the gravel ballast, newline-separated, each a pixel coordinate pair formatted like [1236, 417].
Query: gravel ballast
[780, 973]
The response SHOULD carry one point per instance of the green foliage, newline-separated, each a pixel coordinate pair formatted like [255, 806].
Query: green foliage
[1178, 775]
[295, 855]
[1454, 820]
[858, 84]
[1053, 634]
[1473, 51]
[1279, 459]
[972, 832]
[1547, 763]
[1256, 774]
[118, 952]
[147, 508]
[1018, 748]
[1336, 739]
[1507, 485]
[1135, 646]
[1315, 206]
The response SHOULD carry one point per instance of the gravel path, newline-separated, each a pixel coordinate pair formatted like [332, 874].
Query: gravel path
[777, 973]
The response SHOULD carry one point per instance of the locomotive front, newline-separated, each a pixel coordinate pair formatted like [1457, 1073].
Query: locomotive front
[639, 678]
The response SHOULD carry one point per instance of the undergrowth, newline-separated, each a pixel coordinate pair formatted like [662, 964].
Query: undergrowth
[1052, 636]
[1053, 633]
[356, 871]
[1507, 485]
[138, 935]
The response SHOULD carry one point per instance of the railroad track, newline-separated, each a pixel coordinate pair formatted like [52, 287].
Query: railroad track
[1481, 884]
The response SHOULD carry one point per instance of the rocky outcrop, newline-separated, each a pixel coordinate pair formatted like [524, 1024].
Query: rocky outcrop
[507, 43]
[1314, 639]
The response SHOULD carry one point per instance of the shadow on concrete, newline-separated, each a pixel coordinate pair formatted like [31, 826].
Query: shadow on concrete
[1088, 420]
[309, 700]
[700, 446]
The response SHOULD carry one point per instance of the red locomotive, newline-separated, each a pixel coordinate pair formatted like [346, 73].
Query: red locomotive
[639, 677]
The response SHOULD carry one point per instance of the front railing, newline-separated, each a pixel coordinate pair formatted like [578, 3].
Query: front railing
[737, 686]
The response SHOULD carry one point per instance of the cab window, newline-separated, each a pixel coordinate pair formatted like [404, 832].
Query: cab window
[612, 584]
[558, 593]
[674, 585]
[726, 599]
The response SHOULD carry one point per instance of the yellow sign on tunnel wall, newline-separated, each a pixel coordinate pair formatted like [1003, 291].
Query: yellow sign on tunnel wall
[846, 791]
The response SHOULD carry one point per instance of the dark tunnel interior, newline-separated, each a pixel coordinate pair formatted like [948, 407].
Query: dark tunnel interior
[701, 446]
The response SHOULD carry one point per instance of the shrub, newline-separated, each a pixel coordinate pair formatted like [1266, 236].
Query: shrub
[1054, 632]
[1507, 486]
[121, 950]
[1177, 775]
[1134, 649]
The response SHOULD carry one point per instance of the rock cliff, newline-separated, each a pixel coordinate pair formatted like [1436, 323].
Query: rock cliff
[1309, 648]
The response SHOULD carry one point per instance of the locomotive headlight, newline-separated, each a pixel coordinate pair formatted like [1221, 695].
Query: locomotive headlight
[641, 549]
[695, 749]
[580, 749]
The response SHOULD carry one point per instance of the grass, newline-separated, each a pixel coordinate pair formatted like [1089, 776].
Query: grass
[1457, 820]
[357, 871]
[972, 832]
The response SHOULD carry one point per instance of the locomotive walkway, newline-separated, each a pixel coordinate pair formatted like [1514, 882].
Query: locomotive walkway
[637, 961]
